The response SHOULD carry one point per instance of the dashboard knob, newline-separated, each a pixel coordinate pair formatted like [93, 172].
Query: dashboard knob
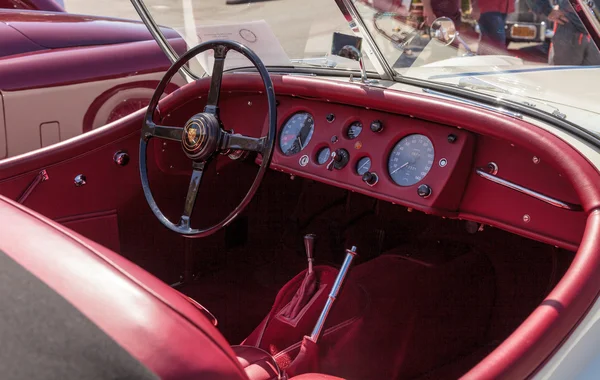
[376, 126]
[370, 178]
[424, 191]
[339, 159]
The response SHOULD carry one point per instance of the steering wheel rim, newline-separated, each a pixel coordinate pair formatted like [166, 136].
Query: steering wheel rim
[200, 140]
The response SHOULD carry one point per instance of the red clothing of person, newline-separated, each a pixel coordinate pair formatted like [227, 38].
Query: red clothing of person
[500, 6]
[447, 8]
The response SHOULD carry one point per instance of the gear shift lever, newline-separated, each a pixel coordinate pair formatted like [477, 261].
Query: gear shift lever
[309, 246]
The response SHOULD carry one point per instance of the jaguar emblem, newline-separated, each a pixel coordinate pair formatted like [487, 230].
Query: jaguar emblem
[193, 135]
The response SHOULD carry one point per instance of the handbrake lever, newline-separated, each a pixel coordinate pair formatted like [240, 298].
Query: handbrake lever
[335, 289]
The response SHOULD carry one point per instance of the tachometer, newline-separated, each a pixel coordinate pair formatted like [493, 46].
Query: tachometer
[411, 159]
[296, 133]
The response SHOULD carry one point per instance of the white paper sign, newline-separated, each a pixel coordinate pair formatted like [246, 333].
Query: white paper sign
[256, 35]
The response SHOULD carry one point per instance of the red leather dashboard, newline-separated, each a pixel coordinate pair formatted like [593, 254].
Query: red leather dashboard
[456, 191]
[445, 177]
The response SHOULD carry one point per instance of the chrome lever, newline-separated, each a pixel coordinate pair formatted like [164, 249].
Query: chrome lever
[335, 289]
[330, 164]
[39, 178]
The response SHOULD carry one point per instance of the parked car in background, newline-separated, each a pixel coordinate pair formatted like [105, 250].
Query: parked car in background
[112, 65]
[525, 26]
[35, 5]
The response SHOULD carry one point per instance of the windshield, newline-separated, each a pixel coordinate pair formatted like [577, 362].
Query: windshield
[534, 52]
[282, 32]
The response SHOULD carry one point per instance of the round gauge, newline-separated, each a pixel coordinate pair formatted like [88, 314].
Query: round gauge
[411, 159]
[363, 165]
[323, 155]
[296, 133]
[354, 130]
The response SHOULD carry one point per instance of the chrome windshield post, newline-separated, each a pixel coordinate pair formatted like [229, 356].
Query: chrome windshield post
[162, 42]
[360, 29]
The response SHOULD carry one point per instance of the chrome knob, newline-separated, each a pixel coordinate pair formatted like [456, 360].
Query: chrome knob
[121, 158]
[424, 191]
[370, 178]
[80, 180]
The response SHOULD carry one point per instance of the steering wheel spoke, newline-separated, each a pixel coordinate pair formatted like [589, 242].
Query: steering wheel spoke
[240, 142]
[212, 103]
[192, 193]
[162, 132]
[203, 137]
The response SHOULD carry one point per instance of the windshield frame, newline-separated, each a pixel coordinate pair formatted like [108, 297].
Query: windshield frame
[591, 22]
[160, 39]
[359, 28]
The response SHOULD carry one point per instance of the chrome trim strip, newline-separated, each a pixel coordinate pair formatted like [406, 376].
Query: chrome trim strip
[360, 29]
[482, 172]
[474, 103]
[160, 39]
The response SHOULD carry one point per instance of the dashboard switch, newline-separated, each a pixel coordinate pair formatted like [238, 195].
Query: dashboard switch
[339, 159]
[424, 191]
[376, 126]
[330, 118]
[370, 178]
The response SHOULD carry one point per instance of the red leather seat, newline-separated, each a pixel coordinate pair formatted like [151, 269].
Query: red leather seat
[257, 363]
[150, 322]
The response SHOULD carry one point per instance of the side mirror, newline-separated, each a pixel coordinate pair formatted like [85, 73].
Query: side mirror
[443, 30]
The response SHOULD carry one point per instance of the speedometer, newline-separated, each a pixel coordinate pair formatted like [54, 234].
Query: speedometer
[411, 159]
[296, 133]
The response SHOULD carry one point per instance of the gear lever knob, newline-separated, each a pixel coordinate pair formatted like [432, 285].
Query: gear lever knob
[309, 247]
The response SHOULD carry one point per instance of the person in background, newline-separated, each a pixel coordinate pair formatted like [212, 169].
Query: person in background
[491, 16]
[433, 9]
[571, 44]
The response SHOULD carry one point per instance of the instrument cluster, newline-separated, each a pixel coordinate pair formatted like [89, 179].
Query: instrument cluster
[393, 157]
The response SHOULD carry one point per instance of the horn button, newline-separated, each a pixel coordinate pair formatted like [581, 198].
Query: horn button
[200, 137]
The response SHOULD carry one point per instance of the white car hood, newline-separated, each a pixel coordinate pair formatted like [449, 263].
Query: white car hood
[570, 90]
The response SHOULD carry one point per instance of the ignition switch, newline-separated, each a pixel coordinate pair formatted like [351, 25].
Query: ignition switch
[339, 159]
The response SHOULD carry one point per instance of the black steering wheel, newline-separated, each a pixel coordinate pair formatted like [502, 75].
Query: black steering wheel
[203, 136]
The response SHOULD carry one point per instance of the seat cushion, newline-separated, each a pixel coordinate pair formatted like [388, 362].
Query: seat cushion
[315, 376]
[257, 363]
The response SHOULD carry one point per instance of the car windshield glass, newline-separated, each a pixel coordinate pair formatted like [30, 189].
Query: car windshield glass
[537, 52]
[284, 33]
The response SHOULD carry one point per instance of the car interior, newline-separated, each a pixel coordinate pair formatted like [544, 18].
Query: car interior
[436, 236]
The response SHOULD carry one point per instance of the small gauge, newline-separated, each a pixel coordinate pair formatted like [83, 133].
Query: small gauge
[323, 156]
[354, 130]
[363, 165]
[296, 133]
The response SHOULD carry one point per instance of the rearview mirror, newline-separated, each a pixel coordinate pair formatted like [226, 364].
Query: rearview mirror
[347, 46]
[344, 45]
